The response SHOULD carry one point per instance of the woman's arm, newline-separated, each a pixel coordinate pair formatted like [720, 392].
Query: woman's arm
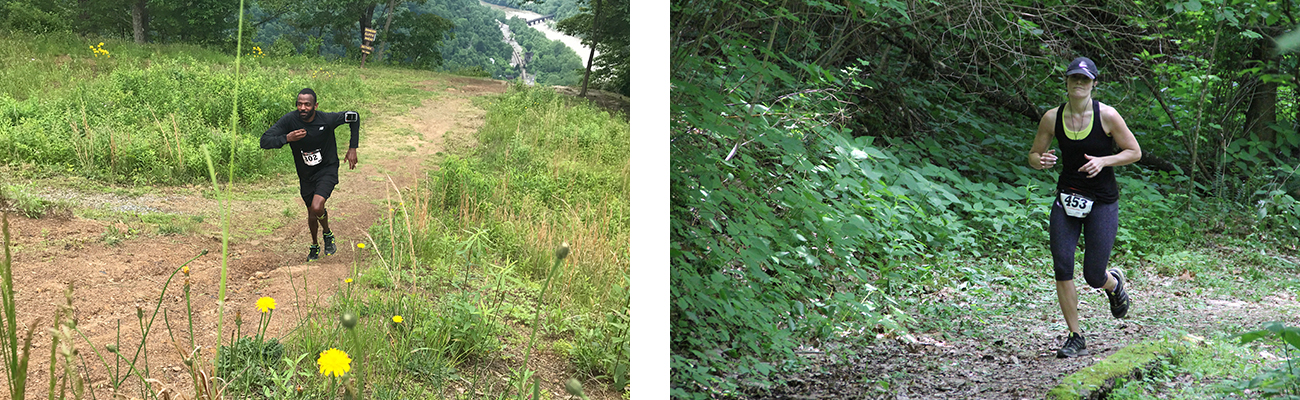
[1039, 156]
[1129, 153]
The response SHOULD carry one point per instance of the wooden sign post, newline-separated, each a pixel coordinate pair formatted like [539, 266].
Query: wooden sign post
[365, 45]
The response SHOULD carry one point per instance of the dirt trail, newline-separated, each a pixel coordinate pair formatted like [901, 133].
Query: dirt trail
[268, 251]
[1013, 354]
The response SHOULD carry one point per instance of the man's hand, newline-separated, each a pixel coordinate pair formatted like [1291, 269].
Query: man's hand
[297, 135]
[352, 158]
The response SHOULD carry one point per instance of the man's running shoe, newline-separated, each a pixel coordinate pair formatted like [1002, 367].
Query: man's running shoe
[1118, 297]
[1073, 347]
[329, 244]
[314, 254]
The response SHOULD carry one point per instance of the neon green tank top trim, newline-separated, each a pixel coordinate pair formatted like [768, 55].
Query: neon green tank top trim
[1077, 135]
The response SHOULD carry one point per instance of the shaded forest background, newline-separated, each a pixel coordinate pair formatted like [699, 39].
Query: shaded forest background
[458, 36]
[827, 156]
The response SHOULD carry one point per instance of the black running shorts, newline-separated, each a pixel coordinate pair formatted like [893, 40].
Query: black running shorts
[322, 184]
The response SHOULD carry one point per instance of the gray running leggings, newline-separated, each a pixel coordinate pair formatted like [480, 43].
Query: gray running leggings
[1099, 229]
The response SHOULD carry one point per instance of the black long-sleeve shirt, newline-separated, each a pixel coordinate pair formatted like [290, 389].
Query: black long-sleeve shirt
[316, 152]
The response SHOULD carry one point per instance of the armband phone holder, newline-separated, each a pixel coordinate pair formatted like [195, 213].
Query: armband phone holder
[351, 116]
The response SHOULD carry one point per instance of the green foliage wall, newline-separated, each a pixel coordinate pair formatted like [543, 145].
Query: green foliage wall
[824, 154]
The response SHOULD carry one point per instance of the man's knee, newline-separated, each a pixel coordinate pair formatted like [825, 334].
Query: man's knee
[316, 212]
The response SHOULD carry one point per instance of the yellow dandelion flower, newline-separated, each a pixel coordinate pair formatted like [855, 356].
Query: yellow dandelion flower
[101, 44]
[265, 304]
[397, 319]
[334, 361]
[361, 245]
[349, 280]
[185, 270]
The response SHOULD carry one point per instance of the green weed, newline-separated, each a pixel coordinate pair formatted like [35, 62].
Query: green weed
[603, 349]
[248, 364]
[32, 206]
[1283, 381]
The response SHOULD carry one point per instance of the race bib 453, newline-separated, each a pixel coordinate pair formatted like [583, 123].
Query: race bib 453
[1076, 205]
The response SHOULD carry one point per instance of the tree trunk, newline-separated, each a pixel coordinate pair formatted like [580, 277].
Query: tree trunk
[1262, 113]
[139, 20]
[1296, 96]
[591, 57]
[388, 21]
[367, 21]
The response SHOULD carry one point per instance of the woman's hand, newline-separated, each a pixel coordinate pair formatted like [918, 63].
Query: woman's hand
[1047, 160]
[1094, 165]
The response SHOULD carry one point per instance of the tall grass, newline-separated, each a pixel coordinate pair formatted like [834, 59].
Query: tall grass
[141, 115]
[544, 172]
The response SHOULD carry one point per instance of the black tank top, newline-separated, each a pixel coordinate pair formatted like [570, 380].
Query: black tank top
[1102, 188]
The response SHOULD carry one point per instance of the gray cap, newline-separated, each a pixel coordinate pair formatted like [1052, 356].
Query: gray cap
[1082, 65]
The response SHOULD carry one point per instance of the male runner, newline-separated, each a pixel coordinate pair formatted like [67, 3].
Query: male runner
[310, 134]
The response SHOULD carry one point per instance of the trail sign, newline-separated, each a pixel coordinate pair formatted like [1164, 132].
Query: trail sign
[366, 49]
[370, 35]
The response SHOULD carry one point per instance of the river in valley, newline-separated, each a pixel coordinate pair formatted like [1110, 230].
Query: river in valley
[546, 29]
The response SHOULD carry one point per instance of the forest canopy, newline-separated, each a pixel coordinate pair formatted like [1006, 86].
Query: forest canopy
[459, 36]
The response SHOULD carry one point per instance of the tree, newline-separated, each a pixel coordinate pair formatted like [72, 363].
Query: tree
[610, 34]
[388, 23]
[205, 22]
[417, 39]
[139, 20]
[35, 16]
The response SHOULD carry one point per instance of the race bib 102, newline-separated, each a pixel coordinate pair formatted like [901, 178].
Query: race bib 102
[1076, 205]
[311, 158]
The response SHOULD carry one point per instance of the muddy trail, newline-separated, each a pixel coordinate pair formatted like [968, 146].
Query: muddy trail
[116, 268]
[1010, 351]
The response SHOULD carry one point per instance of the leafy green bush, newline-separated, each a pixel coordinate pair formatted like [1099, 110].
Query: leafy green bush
[472, 329]
[282, 47]
[1283, 381]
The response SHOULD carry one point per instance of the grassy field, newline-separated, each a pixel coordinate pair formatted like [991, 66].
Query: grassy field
[119, 112]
